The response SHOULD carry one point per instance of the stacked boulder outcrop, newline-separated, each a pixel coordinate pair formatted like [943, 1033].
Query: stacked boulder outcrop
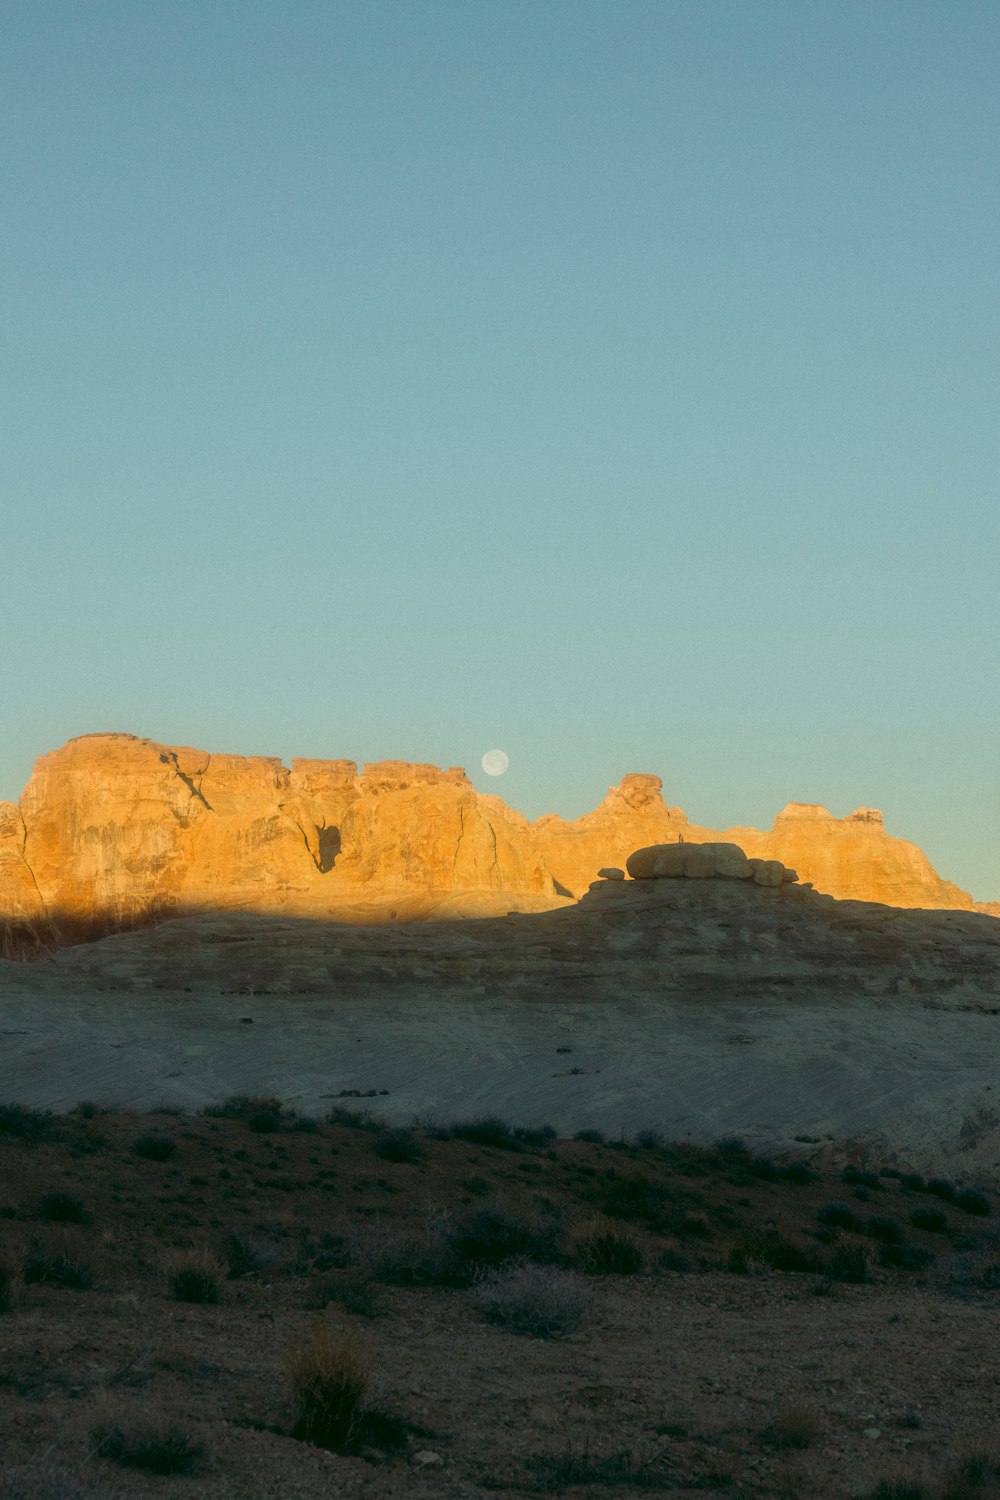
[713, 861]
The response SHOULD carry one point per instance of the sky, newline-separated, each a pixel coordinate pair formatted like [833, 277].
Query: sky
[614, 384]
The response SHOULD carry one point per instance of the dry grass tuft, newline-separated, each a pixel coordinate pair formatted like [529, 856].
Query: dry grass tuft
[194, 1276]
[796, 1426]
[156, 1447]
[328, 1381]
[605, 1249]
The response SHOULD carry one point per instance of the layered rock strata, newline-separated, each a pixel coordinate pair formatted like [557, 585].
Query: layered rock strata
[113, 832]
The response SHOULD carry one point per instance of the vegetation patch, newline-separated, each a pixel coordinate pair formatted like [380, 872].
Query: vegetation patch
[23, 1124]
[972, 1201]
[62, 1208]
[195, 1277]
[542, 1301]
[153, 1147]
[604, 1250]
[840, 1216]
[154, 1448]
[399, 1145]
[562, 1471]
[57, 1270]
[770, 1250]
[328, 1380]
[930, 1219]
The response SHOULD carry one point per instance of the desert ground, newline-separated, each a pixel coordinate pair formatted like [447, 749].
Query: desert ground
[691, 1187]
[704, 1321]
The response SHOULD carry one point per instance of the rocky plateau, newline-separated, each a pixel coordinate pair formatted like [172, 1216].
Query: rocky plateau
[114, 832]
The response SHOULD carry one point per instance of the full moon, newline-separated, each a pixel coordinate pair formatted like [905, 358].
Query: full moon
[495, 762]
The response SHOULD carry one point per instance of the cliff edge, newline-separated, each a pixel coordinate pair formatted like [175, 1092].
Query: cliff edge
[114, 832]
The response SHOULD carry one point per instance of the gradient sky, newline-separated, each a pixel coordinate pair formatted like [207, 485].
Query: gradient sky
[614, 383]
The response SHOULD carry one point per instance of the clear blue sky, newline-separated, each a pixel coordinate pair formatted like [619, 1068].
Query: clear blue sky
[614, 383]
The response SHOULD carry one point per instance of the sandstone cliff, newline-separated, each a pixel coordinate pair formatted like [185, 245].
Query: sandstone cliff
[113, 831]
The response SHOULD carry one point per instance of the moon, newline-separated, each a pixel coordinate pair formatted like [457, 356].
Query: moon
[495, 762]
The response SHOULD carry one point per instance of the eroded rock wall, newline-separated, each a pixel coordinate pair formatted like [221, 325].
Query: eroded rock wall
[114, 831]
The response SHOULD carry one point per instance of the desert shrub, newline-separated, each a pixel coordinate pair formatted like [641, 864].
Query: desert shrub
[328, 1380]
[900, 1489]
[930, 1219]
[400, 1258]
[868, 1180]
[972, 1201]
[800, 1172]
[850, 1263]
[156, 1448]
[559, 1472]
[41, 1269]
[607, 1251]
[354, 1119]
[913, 1181]
[840, 1216]
[592, 1137]
[731, 1145]
[635, 1198]
[354, 1291]
[87, 1109]
[886, 1230]
[769, 1249]
[398, 1144]
[990, 1273]
[264, 1121]
[674, 1260]
[475, 1185]
[485, 1130]
[245, 1254]
[8, 1277]
[795, 1427]
[153, 1147]
[764, 1168]
[940, 1187]
[194, 1276]
[904, 1257]
[539, 1300]
[62, 1208]
[305, 1124]
[488, 1237]
[238, 1106]
[978, 1470]
[24, 1124]
[649, 1140]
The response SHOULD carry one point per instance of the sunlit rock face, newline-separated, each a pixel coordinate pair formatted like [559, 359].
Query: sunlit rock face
[852, 858]
[113, 831]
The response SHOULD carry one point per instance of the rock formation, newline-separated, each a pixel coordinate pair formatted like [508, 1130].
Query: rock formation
[694, 1004]
[113, 832]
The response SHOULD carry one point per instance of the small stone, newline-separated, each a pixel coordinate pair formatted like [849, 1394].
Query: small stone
[611, 872]
[425, 1459]
[873, 1432]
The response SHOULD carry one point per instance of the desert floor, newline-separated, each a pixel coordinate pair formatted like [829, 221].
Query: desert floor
[685, 1358]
